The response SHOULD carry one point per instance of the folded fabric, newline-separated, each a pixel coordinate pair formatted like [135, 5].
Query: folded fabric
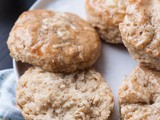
[8, 109]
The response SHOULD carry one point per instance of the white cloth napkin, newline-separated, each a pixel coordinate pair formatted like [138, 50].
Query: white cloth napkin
[8, 109]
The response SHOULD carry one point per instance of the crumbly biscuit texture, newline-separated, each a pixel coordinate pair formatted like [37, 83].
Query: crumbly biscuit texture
[105, 16]
[57, 42]
[82, 95]
[139, 96]
[140, 31]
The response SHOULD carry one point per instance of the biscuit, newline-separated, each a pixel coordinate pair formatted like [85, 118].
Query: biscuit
[139, 96]
[140, 32]
[82, 95]
[57, 42]
[105, 16]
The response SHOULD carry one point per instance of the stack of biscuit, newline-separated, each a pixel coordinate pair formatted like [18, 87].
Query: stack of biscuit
[61, 85]
[133, 22]
[62, 47]
[139, 96]
[136, 24]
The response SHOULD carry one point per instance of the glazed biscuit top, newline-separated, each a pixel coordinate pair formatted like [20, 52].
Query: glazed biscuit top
[141, 26]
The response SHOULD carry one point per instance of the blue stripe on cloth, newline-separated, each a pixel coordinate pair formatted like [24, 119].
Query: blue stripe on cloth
[8, 109]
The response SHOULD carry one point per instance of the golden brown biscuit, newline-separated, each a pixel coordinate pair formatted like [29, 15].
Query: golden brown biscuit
[57, 42]
[139, 96]
[105, 16]
[141, 32]
[82, 95]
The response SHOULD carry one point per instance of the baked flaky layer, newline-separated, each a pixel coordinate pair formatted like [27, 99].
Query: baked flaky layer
[82, 95]
[140, 31]
[139, 95]
[105, 16]
[57, 42]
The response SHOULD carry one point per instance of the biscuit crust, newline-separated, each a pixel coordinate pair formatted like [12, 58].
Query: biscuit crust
[56, 96]
[139, 96]
[57, 42]
[105, 16]
[140, 32]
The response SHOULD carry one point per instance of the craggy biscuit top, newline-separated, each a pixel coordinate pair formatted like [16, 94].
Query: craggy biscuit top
[141, 26]
[56, 96]
[143, 85]
[59, 42]
[111, 12]
[139, 96]
[105, 16]
[140, 112]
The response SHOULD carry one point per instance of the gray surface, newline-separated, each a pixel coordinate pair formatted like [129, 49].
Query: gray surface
[9, 12]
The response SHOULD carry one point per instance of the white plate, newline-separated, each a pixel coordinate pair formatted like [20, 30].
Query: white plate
[114, 63]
